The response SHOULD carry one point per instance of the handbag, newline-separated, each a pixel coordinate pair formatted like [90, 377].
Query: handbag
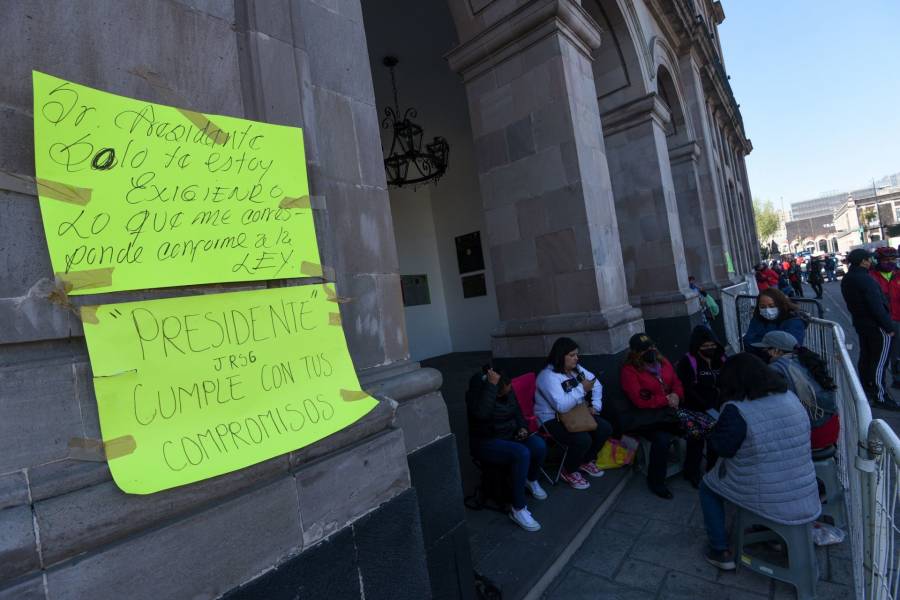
[695, 425]
[616, 453]
[578, 419]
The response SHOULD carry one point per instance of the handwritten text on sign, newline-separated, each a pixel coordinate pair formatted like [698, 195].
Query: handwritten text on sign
[139, 195]
[204, 385]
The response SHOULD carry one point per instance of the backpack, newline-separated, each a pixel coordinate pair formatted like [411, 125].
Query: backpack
[813, 396]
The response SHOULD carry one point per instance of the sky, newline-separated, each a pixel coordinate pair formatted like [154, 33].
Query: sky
[818, 82]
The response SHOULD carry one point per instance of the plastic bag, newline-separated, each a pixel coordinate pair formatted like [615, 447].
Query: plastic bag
[824, 534]
[617, 453]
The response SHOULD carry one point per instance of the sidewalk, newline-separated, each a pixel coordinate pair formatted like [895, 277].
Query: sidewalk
[647, 548]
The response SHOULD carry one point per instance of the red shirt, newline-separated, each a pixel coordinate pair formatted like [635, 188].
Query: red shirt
[890, 289]
[644, 389]
[766, 278]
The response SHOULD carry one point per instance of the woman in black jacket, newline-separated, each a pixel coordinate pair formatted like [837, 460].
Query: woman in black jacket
[698, 371]
[498, 435]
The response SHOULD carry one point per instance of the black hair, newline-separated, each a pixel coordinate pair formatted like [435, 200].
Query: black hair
[557, 357]
[816, 366]
[746, 377]
[504, 378]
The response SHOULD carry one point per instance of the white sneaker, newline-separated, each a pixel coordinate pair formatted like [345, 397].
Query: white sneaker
[536, 490]
[523, 519]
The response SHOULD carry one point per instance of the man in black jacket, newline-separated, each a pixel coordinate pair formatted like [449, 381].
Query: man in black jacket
[873, 325]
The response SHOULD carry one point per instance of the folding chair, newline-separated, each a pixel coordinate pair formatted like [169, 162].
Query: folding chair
[524, 386]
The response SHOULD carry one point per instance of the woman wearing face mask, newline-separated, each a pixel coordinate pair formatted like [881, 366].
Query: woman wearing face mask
[887, 276]
[698, 371]
[774, 312]
[650, 382]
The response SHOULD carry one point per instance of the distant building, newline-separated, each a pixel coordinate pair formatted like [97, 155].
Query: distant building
[868, 220]
[829, 203]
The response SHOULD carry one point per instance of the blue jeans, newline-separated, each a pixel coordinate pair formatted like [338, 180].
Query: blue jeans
[524, 459]
[713, 507]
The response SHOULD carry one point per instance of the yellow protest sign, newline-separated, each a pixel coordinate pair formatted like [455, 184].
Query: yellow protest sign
[193, 387]
[139, 195]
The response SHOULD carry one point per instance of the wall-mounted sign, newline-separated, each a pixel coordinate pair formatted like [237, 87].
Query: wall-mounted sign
[469, 256]
[474, 286]
[193, 387]
[138, 195]
[415, 290]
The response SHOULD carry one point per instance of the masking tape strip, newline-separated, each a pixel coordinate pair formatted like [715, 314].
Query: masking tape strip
[82, 280]
[89, 314]
[97, 449]
[210, 129]
[333, 297]
[314, 270]
[311, 269]
[119, 447]
[288, 202]
[86, 450]
[334, 319]
[63, 192]
[353, 395]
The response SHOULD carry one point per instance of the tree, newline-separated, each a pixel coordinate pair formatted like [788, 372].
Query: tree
[767, 218]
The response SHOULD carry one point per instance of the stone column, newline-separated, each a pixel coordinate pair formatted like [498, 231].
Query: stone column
[684, 163]
[712, 200]
[549, 211]
[648, 211]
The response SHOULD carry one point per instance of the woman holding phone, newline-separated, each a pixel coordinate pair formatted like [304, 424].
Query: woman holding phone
[498, 435]
[561, 387]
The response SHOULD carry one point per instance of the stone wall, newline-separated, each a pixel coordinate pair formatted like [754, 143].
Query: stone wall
[66, 531]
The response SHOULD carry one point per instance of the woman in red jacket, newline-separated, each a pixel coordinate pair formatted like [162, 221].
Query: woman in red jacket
[650, 382]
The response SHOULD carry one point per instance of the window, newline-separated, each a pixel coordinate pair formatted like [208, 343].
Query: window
[897, 213]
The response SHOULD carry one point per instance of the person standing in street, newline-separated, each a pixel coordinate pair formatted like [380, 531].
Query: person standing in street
[765, 277]
[830, 268]
[795, 276]
[887, 276]
[814, 276]
[872, 321]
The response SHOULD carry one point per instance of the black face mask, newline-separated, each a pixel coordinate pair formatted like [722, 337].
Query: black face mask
[709, 353]
[650, 357]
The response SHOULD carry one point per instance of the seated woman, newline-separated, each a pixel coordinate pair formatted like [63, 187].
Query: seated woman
[807, 376]
[774, 312]
[649, 381]
[498, 435]
[561, 386]
[765, 465]
[698, 371]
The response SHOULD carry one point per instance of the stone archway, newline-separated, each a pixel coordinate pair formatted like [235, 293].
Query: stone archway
[644, 130]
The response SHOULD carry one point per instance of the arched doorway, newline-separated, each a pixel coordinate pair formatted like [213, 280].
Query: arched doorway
[823, 245]
[643, 125]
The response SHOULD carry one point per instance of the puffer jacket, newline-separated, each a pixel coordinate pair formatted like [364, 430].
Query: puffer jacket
[491, 416]
[771, 473]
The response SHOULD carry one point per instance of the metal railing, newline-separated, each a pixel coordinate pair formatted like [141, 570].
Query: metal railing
[868, 460]
[884, 446]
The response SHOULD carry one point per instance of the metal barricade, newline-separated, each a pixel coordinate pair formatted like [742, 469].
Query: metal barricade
[729, 314]
[868, 457]
[884, 447]
[746, 303]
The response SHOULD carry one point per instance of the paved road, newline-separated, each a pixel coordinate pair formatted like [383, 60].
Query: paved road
[651, 549]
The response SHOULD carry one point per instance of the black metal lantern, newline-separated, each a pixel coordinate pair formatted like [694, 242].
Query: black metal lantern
[406, 163]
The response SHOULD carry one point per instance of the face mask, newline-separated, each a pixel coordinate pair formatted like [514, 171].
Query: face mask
[770, 314]
[709, 353]
[650, 356]
[885, 266]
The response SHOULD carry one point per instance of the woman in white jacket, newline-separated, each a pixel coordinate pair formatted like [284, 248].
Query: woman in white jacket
[562, 385]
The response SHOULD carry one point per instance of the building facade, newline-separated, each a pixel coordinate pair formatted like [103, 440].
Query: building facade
[597, 151]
